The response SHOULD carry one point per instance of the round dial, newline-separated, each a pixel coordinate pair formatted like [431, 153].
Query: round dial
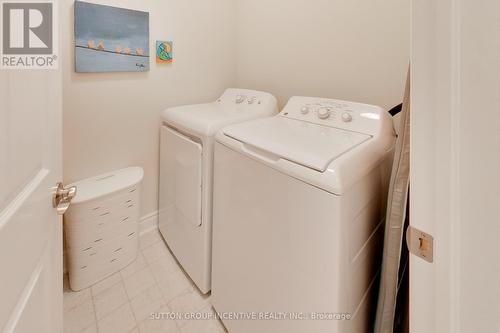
[305, 110]
[324, 113]
[240, 99]
[346, 117]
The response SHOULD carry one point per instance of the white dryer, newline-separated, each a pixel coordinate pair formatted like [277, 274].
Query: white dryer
[186, 173]
[299, 203]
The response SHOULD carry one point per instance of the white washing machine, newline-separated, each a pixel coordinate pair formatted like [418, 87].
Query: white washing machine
[186, 173]
[299, 204]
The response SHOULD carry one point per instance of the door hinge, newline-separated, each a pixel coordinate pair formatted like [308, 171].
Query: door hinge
[420, 244]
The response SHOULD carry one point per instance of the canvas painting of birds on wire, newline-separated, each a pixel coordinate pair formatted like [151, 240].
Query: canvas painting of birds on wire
[110, 39]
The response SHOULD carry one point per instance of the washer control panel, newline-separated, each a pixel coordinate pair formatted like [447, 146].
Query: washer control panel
[351, 116]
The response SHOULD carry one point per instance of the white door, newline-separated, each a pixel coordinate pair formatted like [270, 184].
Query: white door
[30, 228]
[181, 177]
[455, 180]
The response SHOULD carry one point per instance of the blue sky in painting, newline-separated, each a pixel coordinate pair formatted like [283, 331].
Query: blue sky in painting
[115, 27]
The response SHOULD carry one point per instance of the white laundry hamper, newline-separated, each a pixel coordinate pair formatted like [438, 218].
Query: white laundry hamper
[102, 226]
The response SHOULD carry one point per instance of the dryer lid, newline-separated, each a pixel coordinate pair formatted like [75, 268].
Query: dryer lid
[207, 119]
[311, 145]
[203, 119]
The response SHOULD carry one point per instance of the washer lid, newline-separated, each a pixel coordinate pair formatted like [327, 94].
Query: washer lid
[311, 145]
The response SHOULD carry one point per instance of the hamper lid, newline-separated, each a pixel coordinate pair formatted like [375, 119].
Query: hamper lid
[99, 186]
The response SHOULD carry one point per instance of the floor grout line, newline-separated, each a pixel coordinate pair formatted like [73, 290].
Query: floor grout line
[95, 311]
[165, 306]
[128, 296]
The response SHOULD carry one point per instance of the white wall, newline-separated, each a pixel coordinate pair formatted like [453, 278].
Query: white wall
[111, 121]
[349, 49]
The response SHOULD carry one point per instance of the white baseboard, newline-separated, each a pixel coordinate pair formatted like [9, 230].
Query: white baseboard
[148, 223]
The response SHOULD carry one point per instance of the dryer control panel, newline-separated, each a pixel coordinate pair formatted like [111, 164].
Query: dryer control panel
[356, 117]
[247, 99]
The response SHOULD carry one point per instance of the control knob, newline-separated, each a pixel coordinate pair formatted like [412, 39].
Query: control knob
[324, 113]
[305, 110]
[240, 99]
[346, 117]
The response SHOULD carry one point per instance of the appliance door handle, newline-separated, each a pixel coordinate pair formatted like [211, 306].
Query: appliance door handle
[260, 153]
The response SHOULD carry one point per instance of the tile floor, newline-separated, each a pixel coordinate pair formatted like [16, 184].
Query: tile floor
[125, 301]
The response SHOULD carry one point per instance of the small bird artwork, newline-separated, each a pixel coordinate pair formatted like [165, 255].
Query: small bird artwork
[91, 44]
[118, 49]
[100, 46]
[139, 52]
[164, 52]
[127, 50]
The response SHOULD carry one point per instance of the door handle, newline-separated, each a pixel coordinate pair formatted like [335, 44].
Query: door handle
[62, 197]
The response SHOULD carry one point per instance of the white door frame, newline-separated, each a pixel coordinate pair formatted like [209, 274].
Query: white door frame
[456, 165]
